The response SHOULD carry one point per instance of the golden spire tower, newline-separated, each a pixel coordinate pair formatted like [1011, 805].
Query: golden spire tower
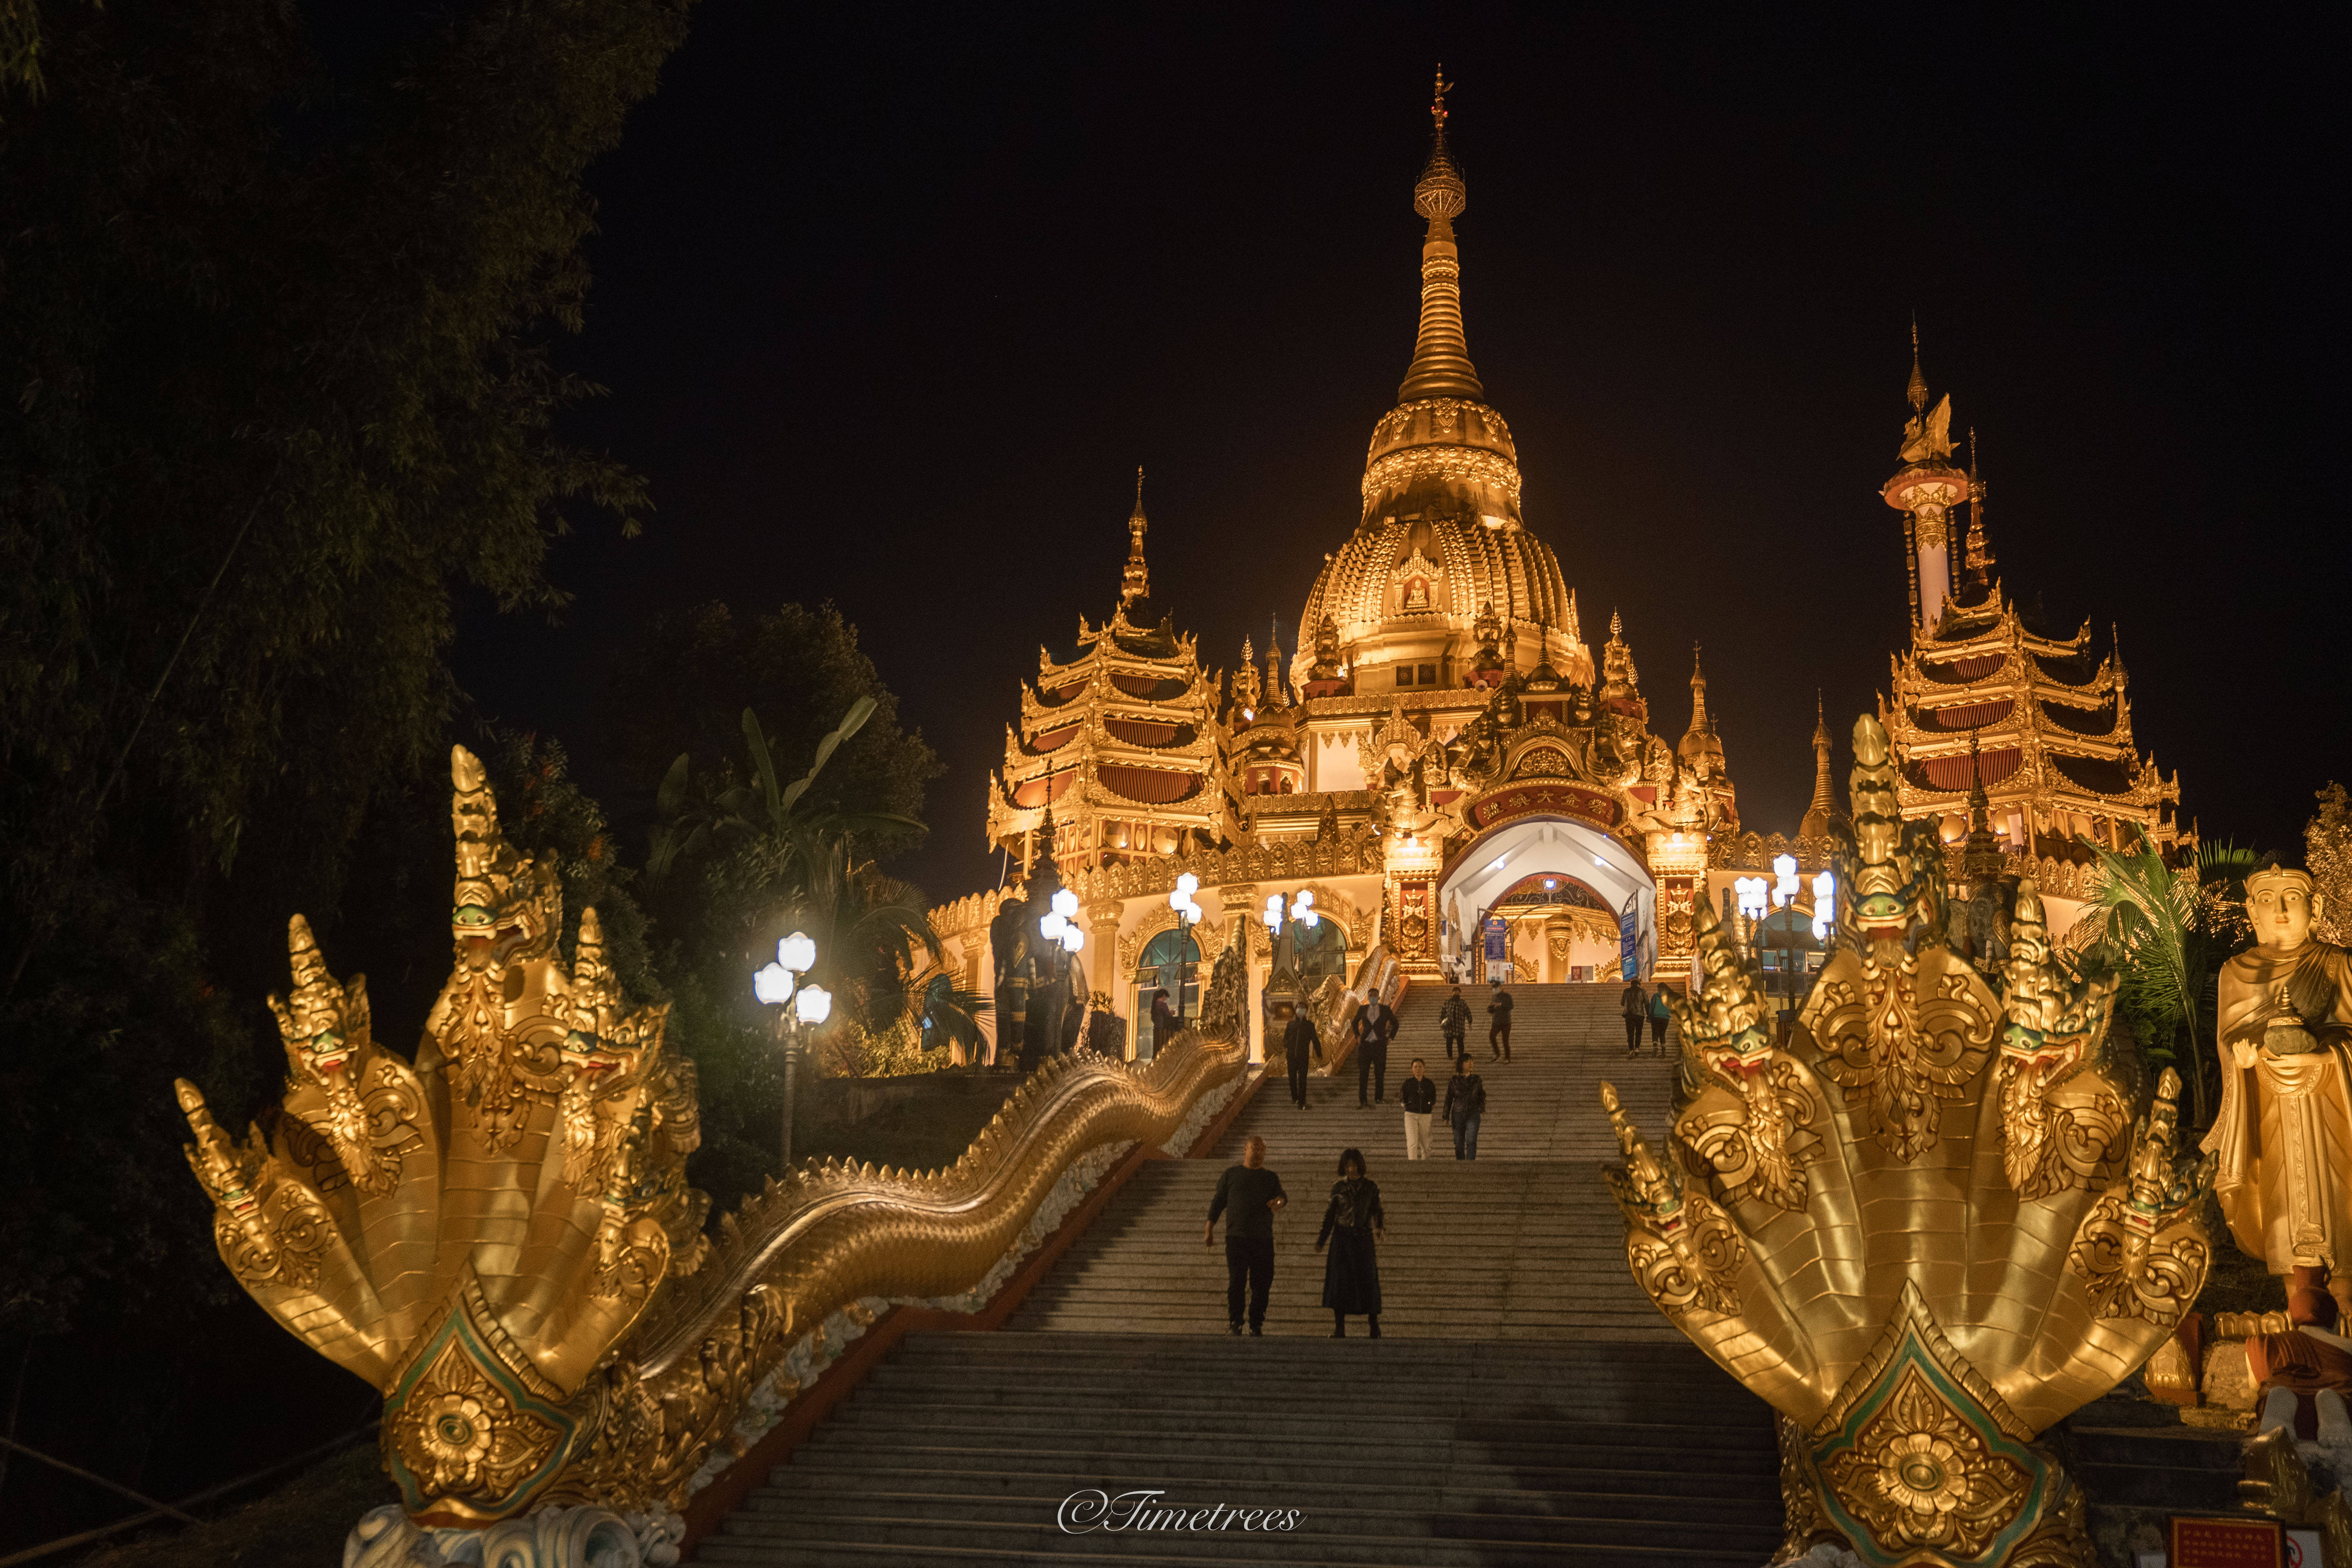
[1818, 815]
[1135, 583]
[1441, 356]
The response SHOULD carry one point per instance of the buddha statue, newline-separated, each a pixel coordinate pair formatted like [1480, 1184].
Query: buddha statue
[2284, 1137]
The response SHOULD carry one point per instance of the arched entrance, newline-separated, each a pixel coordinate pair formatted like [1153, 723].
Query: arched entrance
[1522, 853]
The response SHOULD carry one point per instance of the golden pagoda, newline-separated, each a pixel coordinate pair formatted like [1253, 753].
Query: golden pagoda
[1980, 698]
[1439, 750]
[1121, 741]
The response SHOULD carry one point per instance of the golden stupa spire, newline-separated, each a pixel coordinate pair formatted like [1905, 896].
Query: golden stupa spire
[1816, 822]
[1441, 356]
[1917, 390]
[1134, 583]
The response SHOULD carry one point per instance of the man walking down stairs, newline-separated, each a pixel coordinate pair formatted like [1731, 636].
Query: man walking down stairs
[1526, 1406]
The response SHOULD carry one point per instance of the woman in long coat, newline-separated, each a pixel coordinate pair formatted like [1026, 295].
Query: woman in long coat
[1353, 1223]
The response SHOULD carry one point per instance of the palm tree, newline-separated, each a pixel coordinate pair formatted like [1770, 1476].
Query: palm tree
[2169, 929]
[773, 863]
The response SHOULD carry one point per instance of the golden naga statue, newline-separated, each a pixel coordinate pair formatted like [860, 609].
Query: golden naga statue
[2284, 1137]
[1916, 1227]
[500, 1238]
[473, 1235]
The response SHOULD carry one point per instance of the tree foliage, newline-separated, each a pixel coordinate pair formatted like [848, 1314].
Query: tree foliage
[2169, 929]
[2327, 856]
[275, 357]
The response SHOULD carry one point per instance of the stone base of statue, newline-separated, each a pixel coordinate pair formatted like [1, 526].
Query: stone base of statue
[554, 1536]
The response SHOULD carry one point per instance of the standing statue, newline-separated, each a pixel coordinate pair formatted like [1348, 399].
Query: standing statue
[1013, 941]
[2285, 1133]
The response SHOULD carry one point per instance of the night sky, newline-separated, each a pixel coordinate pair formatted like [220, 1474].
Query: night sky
[892, 304]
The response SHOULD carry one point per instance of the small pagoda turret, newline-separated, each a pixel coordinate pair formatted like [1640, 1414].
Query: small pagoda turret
[1701, 753]
[1980, 701]
[1120, 740]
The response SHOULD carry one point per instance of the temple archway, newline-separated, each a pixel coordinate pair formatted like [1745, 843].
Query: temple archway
[1516, 856]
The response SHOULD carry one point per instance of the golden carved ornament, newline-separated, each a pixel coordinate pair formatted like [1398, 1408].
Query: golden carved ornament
[1917, 1311]
[499, 1239]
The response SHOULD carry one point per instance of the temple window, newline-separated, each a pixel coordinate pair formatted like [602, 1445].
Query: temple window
[1429, 675]
[1404, 675]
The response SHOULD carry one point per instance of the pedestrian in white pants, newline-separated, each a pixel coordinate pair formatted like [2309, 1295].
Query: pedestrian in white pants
[1419, 1095]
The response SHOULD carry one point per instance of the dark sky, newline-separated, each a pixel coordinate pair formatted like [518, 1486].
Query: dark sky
[893, 301]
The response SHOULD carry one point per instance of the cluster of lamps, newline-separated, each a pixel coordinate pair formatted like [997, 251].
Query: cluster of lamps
[1301, 909]
[1059, 923]
[779, 983]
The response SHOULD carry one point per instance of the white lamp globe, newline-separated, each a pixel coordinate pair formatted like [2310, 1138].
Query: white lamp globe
[815, 1005]
[1065, 904]
[1073, 939]
[1052, 926]
[797, 953]
[772, 985]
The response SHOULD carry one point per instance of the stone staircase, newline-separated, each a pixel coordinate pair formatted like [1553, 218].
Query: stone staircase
[1526, 1403]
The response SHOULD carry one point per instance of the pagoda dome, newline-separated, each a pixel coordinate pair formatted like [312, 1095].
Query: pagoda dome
[1439, 539]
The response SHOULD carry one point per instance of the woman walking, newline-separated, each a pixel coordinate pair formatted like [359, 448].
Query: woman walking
[1658, 1017]
[1352, 1224]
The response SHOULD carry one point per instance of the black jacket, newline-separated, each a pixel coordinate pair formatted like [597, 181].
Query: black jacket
[1355, 1206]
[1372, 1030]
[1465, 1092]
[1419, 1094]
[1455, 1016]
[1300, 1038]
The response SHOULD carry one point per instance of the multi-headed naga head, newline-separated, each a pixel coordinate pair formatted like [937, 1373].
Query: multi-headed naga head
[504, 904]
[324, 1024]
[1824, 1222]
[476, 1234]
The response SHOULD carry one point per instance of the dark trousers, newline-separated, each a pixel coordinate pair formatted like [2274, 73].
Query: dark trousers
[1658, 1033]
[1466, 1136]
[1452, 1045]
[1249, 1260]
[1298, 1080]
[1498, 1036]
[1633, 1035]
[1372, 1069]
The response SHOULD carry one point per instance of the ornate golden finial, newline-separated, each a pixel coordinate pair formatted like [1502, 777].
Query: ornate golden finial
[1441, 357]
[1919, 387]
[1135, 583]
[1616, 625]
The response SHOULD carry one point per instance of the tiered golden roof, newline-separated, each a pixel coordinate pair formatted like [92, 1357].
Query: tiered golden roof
[2048, 721]
[1121, 741]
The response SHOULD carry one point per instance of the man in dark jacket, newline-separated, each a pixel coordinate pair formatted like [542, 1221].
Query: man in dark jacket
[1375, 1025]
[1419, 1093]
[1466, 1102]
[1248, 1195]
[1498, 1023]
[1454, 1019]
[1298, 1039]
[1636, 1008]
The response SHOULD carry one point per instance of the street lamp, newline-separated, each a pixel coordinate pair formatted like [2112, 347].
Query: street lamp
[779, 983]
[1188, 912]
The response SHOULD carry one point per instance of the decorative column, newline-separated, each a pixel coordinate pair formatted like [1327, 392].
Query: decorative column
[1925, 490]
[1678, 865]
[1102, 958]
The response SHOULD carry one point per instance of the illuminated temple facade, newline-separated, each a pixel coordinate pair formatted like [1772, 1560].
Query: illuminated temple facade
[1446, 746]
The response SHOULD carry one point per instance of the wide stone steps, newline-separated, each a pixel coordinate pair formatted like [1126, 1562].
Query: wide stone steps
[1526, 1406]
[963, 1449]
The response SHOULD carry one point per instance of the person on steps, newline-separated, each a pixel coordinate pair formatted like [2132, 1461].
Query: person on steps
[1298, 1037]
[1636, 1008]
[1419, 1093]
[1498, 1024]
[1375, 1024]
[1352, 1224]
[1658, 1017]
[1248, 1195]
[1466, 1102]
[1454, 1019]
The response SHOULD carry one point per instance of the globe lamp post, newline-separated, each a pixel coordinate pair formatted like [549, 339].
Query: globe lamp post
[779, 985]
[1059, 926]
[1188, 912]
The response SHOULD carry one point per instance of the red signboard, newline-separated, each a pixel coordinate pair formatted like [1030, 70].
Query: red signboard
[1551, 795]
[2227, 1543]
